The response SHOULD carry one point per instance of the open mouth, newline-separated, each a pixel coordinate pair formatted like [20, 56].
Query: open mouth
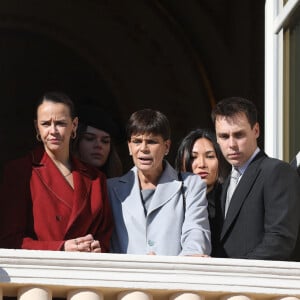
[145, 160]
[203, 174]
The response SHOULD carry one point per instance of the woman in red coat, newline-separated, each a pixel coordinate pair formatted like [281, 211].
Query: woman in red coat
[49, 200]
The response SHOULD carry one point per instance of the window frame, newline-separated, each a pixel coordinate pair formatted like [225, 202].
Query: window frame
[277, 17]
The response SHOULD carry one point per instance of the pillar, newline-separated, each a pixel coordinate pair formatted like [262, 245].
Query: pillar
[84, 295]
[34, 293]
[186, 296]
[134, 295]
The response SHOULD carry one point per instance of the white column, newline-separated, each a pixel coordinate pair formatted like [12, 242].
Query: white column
[34, 293]
[287, 298]
[84, 295]
[236, 297]
[134, 295]
[186, 296]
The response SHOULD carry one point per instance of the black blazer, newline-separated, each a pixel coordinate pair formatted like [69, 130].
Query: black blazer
[215, 215]
[296, 255]
[263, 217]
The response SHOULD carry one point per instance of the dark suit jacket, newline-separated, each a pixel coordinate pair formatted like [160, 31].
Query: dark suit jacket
[263, 217]
[40, 210]
[296, 254]
[215, 215]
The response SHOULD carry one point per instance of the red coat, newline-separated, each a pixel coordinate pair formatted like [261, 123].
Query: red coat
[40, 210]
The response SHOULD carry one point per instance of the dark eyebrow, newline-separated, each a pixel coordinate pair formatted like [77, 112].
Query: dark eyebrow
[237, 133]
[222, 134]
[89, 133]
[61, 120]
[94, 134]
[210, 151]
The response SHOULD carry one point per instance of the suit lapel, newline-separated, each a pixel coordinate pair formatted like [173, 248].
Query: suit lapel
[82, 183]
[51, 177]
[241, 192]
[127, 191]
[129, 185]
[165, 192]
[294, 163]
[224, 194]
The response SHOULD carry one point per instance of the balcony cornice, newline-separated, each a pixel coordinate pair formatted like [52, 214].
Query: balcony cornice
[119, 272]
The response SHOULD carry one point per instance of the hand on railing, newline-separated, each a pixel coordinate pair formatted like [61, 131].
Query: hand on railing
[83, 244]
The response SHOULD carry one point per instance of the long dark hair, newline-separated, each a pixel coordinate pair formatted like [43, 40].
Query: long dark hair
[183, 161]
[113, 166]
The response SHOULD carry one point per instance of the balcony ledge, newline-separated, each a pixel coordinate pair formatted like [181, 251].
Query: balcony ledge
[120, 272]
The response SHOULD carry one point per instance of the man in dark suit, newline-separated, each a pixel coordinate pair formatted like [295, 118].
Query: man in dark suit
[261, 218]
[295, 163]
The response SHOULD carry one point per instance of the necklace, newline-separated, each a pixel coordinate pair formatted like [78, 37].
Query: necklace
[61, 166]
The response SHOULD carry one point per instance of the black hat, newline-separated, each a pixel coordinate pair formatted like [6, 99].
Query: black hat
[96, 117]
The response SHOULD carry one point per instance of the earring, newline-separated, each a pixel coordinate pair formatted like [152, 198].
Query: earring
[38, 137]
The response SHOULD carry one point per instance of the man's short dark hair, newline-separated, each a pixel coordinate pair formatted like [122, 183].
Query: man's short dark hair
[148, 121]
[229, 107]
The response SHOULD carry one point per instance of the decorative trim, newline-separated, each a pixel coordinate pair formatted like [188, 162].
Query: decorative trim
[119, 272]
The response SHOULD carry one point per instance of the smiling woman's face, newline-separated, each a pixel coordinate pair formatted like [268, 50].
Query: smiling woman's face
[205, 162]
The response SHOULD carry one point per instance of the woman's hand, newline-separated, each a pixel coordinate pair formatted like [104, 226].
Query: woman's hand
[95, 246]
[83, 244]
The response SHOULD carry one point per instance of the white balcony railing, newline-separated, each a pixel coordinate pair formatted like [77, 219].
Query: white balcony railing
[48, 274]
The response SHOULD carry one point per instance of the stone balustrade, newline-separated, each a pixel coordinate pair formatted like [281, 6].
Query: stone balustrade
[45, 275]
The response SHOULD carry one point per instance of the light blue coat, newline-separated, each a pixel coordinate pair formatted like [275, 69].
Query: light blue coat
[164, 230]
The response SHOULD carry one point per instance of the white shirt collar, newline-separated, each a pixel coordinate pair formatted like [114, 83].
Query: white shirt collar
[298, 159]
[243, 168]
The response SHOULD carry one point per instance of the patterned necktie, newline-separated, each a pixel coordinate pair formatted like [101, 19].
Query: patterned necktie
[234, 179]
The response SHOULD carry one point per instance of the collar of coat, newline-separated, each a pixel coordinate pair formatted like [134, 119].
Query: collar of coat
[128, 189]
[40, 158]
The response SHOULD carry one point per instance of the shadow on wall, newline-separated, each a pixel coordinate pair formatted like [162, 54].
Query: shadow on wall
[128, 55]
[32, 64]
[139, 61]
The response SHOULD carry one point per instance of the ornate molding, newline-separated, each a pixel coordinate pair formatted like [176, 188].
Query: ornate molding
[156, 273]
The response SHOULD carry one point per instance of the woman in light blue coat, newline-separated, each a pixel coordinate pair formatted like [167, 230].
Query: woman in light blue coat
[156, 210]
